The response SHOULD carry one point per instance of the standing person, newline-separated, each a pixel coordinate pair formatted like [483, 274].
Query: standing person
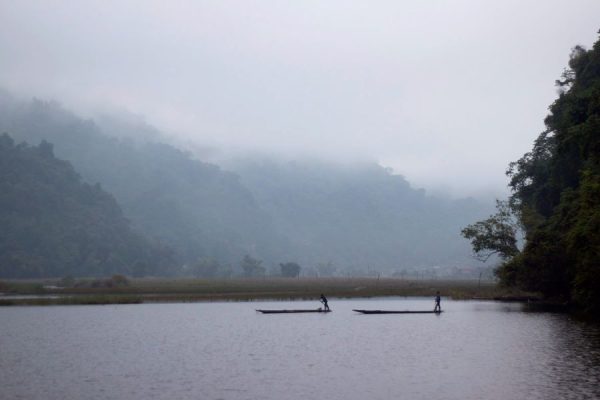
[437, 307]
[324, 301]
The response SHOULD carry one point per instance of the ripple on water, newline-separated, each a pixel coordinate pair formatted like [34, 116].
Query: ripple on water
[474, 350]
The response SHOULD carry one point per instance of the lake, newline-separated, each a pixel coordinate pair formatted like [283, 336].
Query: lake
[474, 350]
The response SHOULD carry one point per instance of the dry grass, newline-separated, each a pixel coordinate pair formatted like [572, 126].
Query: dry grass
[191, 290]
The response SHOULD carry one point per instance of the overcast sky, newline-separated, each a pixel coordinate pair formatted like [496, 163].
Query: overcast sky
[446, 93]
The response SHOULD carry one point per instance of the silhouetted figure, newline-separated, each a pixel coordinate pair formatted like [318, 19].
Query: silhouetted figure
[437, 307]
[324, 301]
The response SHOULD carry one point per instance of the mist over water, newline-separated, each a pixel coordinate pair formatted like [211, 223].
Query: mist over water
[474, 350]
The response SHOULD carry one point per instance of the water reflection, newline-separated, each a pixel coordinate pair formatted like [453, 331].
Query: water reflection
[474, 350]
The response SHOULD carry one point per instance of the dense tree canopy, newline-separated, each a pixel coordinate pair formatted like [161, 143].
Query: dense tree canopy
[556, 193]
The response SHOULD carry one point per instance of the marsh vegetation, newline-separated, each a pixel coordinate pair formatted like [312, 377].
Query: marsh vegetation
[145, 290]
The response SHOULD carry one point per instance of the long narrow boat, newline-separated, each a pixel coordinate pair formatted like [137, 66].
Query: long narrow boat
[317, 310]
[395, 312]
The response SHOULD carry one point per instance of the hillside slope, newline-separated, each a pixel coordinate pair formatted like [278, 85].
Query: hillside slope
[55, 225]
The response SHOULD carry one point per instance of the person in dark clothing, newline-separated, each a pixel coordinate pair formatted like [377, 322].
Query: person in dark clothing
[437, 307]
[324, 301]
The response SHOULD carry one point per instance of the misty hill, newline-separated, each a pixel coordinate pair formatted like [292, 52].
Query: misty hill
[357, 217]
[55, 225]
[194, 207]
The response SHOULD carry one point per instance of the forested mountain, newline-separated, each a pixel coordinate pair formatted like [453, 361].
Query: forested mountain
[194, 207]
[556, 196]
[359, 218]
[55, 225]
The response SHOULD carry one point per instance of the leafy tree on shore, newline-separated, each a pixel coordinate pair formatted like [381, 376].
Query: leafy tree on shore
[556, 195]
[496, 235]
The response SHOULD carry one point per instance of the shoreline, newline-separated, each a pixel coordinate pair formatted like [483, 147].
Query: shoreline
[188, 290]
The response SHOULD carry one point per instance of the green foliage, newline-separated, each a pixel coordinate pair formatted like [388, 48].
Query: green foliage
[583, 242]
[556, 195]
[495, 235]
[290, 269]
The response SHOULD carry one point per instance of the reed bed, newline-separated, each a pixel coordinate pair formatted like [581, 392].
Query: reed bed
[148, 290]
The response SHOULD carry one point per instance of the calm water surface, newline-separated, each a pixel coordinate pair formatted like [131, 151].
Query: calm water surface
[475, 350]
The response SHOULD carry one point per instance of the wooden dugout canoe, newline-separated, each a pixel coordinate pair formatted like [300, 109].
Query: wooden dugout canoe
[396, 312]
[318, 310]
